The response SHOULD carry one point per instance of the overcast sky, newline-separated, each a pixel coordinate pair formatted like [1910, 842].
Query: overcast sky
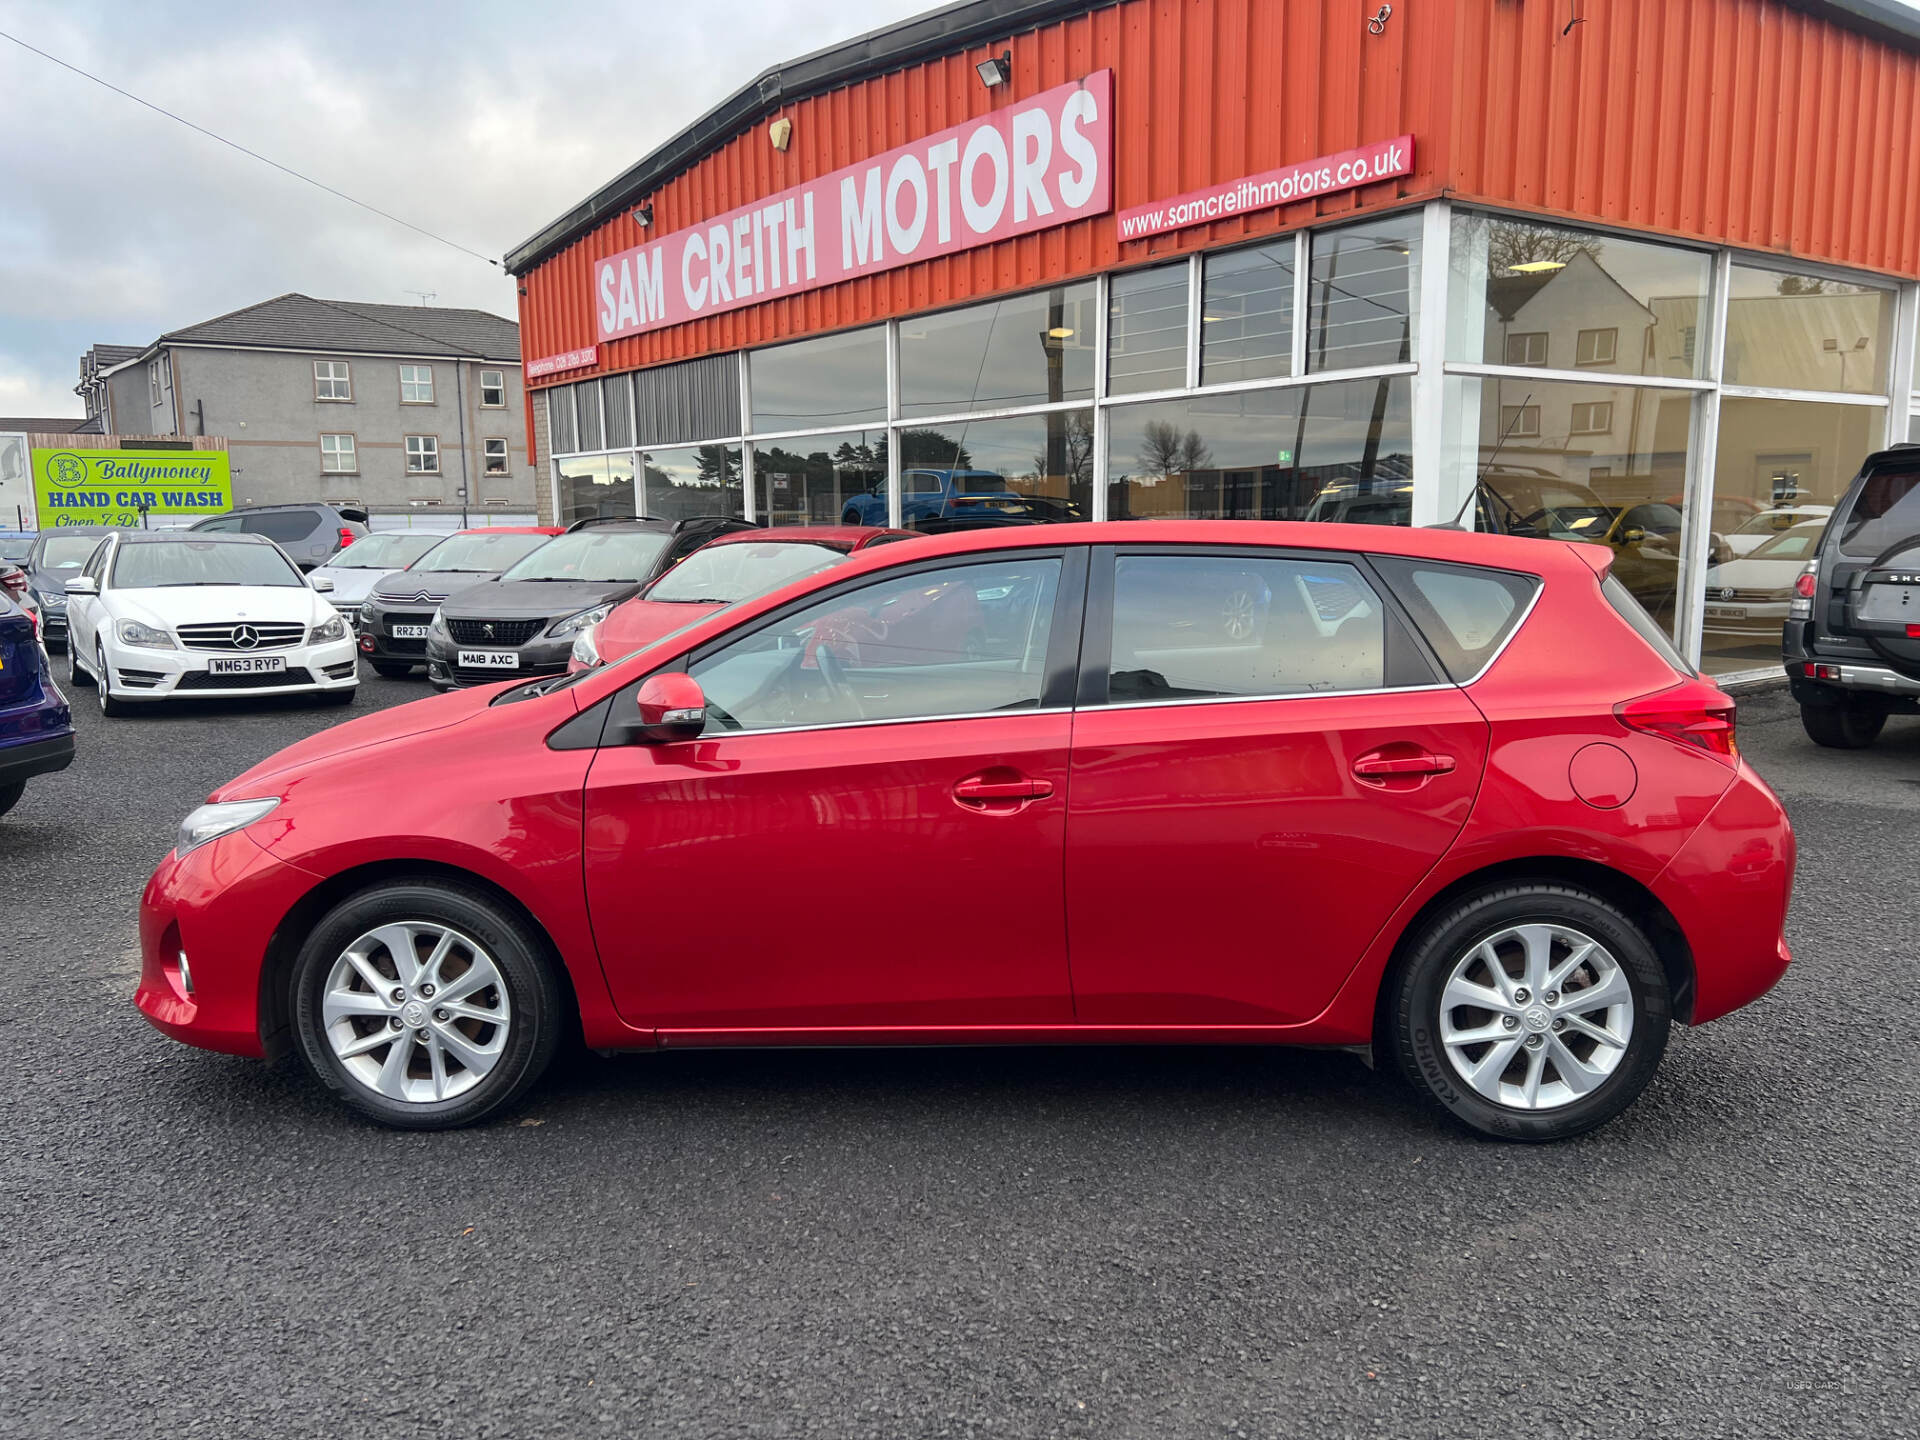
[480, 120]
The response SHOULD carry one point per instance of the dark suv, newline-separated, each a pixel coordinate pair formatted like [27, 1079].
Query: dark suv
[1852, 637]
[311, 534]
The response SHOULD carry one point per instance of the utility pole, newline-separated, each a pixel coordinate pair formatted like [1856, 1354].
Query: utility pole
[460, 403]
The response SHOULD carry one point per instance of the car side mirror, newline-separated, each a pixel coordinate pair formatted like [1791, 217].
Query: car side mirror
[320, 583]
[1632, 537]
[83, 585]
[668, 708]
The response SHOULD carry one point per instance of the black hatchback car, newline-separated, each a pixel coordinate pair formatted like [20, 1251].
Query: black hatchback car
[56, 557]
[525, 624]
[1852, 637]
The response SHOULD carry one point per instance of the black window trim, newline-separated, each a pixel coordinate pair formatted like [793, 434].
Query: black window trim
[1097, 649]
[1537, 583]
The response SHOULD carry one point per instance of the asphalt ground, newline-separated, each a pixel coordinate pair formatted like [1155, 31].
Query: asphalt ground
[1053, 1243]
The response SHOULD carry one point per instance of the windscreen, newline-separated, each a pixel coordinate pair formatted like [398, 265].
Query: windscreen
[383, 552]
[66, 552]
[1798, 543]
[598, 556]
[1884, 513]
[480, 552]
[726, 573]
[201, 562]
[15, 548]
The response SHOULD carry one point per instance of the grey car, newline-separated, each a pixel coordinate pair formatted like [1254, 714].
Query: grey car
[56, 557]
[311, 533]
[525, 623]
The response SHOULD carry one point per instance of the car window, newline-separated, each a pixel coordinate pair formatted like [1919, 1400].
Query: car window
[187, 561]
[16, 548]
[281, 525]
[1201, 626]
[602, 557]
[1635, 614]
[66, 552]
[1884, 513]
[921, 483]
[479, 552]
[224, 524]
[1465, 611]
[97, 561]
[962, 640]
[1795, 544]
[383, 552]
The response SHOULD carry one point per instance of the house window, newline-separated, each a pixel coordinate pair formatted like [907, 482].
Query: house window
[1528, 349]
[1596, 347]
[331, 381]
[1520, 420]
[416, 385]
[337, 455]
[423, 455]
[1589, 418]
[156, 379]
[493, 389]
[496, 453]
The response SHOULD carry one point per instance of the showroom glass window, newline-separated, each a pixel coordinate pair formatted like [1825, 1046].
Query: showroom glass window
[586, 409]
[1550, 298]
[1340, 451]
[1361, 300]
[694, 480]
[562, 435]
[1793, 331]
[832, 380]
[822, 479]
[1246, 313]
[616, 409]
[1147, 330]
[961, 640]
[982, 473]
[1032, 349]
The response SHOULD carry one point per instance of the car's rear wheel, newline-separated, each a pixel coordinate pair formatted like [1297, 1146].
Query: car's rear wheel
[425, 1004]
[10, 795]
[1849, 725]
[390, 670]
[1531, 1012]
[77, 676]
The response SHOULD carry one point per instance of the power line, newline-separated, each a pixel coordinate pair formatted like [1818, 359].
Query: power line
[253, 154]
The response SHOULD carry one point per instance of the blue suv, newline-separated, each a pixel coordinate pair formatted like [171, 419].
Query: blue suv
[36, 724]
[933, 495]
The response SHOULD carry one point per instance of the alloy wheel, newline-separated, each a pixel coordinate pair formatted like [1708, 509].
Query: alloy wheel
[1240, 615]
[1536, 1016]
[416, 1011]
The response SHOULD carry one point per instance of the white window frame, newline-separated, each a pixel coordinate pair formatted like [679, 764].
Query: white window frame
[429, 449]
[1526, 354]
[488, 455]
[499, 382]
[324, 380]
[1518, 421]
[350, 452]
[1611, 333]
[410, 379]
[1591, 407]
[153, 382]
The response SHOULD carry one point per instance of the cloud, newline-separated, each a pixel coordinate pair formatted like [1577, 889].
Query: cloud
[479, 121]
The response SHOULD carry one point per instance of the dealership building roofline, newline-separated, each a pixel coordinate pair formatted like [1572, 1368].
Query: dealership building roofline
[939, 32]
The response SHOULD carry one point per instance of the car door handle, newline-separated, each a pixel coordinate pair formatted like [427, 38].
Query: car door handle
[978, 791]
[1388, 767]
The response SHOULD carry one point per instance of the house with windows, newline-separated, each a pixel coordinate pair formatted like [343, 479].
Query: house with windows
[388, 407]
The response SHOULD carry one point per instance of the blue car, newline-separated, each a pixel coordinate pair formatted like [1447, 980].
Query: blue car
[933, 495]
[36, 724]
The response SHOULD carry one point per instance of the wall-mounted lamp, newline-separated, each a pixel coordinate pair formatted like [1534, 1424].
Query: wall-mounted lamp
[643, 214]
[997, 70]
[523, 290]
[780, 132]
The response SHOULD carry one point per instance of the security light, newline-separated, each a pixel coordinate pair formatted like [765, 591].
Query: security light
[780, 132]
[997, 70]
[643, 215]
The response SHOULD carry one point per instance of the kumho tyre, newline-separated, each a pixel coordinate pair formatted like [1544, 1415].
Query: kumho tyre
[1532, 1012]
[425, 1004]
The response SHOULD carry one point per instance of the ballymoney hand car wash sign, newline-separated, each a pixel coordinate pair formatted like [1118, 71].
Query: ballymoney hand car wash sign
[113, 487]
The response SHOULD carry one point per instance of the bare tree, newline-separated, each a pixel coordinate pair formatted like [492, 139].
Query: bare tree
[1515, 242]
[1165, 451]
[1076, 447]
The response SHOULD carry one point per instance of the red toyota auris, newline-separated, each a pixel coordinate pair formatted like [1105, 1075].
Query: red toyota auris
[1449, 796]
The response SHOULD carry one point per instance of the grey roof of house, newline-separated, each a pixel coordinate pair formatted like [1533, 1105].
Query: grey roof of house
[944, 31]
[300, 322]
[105, 355]
[42, 424]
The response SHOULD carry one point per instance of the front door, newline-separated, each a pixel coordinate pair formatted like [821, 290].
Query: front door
[870, 832]
[1265, 768]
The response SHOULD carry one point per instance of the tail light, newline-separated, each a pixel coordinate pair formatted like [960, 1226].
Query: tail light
[1694, 713]
[347, 537]
[14, 582]
[1803, 587]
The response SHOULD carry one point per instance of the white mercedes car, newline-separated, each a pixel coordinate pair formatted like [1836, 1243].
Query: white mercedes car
[157, 614]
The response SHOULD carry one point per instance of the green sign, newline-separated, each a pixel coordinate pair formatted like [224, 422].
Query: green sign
[113, 487]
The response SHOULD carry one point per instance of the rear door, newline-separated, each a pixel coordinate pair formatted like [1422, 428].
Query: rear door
[1265, 762]
[1870, 572]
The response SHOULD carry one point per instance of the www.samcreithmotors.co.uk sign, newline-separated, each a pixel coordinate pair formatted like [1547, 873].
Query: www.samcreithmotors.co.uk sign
[1029, 167]
[112, 487]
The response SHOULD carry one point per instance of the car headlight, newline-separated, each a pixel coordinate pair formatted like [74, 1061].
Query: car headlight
[439, 621]
[366, 613]
[334, 629]
[574, 624]
[585, 652]
[50, 599]
[132, 632]
[210, 822]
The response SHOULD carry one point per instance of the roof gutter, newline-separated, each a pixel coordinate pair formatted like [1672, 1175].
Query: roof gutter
[925, 37]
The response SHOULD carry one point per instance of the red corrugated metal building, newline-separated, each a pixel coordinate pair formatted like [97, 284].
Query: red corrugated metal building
[1631, 271]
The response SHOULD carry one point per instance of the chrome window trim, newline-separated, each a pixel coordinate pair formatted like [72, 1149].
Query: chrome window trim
[724, 734]
[1269, 699]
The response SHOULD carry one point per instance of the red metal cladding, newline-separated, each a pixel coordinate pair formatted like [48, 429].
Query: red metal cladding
[1747, 122]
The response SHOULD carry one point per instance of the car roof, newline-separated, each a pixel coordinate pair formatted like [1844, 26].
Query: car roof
[197, 537]
[841, 537]
[497, 530]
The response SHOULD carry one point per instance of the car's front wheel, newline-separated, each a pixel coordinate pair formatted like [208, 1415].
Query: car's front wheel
[1849, 725]
[425, 1004]
[1531, 1012]
[110, 706]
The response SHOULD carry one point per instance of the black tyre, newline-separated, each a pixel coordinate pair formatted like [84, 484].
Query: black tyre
[109, 705]
[10, 795]
[1564, 1042]
[1849, 725]
[391, 669]
[77, 676]
[425, 1004]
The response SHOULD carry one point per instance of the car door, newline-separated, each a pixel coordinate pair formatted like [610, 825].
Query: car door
[869, 833]
[1265, 763]
[83, 611]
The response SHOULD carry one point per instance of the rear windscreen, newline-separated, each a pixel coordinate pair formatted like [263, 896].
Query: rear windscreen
[1465, 611]
[1884, 513]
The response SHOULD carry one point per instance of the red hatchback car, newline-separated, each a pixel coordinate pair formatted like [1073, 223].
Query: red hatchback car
[1448, 796]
